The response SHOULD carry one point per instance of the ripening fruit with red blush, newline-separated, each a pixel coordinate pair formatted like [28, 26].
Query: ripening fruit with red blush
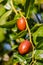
[24, 47]
[21, 24]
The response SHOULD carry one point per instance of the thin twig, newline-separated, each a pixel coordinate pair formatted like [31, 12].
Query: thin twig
[13, 7]
[30, 36]
[26, 25]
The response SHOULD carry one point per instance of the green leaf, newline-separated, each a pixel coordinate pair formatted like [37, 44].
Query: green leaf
[29, 7]
[17, 16]
[7, 6]
[4, 17]
[2, 10]
[19, 2]
[2, 36]
[39, 55]
[42, 15]
[14, 29]
[28, 56]
[18, 35]
[20, 58]
[14, 47]
[15, 61]
[1, 1]
[38, 63]
[9, 24]
[38, 2]
[38, 36]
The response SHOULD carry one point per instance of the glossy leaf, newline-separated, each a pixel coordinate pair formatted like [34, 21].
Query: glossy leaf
[18, 35]
[20, 2]
[1, 1]
[4, 17]
[38, 36]
[2, 10]
[10, 23]
[20, 58]
[2, 36]
[39, 55]
[38, 63]
[29, 7]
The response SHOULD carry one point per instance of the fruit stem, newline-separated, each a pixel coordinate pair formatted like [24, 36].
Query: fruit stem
[26, 25]
[30, 36]
[34, 62]
[20, 13]
[22, 16]
[11, 2]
